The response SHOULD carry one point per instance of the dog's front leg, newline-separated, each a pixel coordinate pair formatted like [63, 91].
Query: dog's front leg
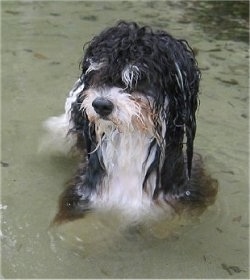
[75, 201]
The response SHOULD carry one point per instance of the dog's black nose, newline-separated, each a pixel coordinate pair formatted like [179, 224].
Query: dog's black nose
[103, 106]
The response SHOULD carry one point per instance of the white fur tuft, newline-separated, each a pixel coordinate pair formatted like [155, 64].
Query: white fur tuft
[130, 75]
[94, 66]
[57, 137]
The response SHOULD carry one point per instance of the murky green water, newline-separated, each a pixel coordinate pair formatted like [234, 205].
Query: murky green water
[41, 48]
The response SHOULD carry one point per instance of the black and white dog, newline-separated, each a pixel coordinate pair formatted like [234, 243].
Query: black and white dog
[130, 115]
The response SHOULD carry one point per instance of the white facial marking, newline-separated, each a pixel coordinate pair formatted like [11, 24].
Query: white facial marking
[126, 108]
[94, 66]
[130, 75]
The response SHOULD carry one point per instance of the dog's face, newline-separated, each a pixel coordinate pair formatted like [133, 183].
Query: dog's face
[118, 108]
[129, 103]
[114, 110]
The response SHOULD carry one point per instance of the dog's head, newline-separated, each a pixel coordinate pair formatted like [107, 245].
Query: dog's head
[137, 79]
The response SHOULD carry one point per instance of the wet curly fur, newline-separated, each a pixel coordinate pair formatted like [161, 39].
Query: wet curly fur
[131, 116]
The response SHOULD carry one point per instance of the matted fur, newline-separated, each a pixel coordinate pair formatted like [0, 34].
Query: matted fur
[129, 115]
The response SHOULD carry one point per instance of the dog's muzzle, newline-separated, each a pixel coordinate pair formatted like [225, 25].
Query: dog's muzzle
[103, 106]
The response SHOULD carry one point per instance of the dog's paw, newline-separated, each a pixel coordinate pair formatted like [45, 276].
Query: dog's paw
[73, 204]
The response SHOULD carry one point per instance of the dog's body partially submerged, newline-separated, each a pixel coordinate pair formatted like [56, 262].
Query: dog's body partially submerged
[129, 115]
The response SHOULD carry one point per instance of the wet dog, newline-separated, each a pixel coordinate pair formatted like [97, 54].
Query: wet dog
[131, 116]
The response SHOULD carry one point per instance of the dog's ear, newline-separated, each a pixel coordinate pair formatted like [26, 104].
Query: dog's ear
[181, 116]
[81, 126]
[188, 78]
[78, 120]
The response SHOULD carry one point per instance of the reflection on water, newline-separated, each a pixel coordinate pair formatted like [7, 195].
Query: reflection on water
[41, 48]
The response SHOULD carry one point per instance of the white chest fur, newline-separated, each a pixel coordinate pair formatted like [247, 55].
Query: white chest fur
[126, 161]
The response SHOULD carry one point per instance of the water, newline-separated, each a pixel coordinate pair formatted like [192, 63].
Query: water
[41, 49]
